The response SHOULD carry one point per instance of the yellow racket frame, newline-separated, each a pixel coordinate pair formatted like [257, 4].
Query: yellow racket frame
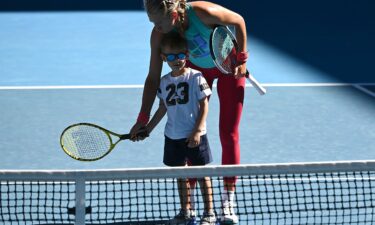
[109, 134]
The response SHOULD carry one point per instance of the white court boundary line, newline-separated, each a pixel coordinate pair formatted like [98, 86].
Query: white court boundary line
[365, 90]
[358, 86]
[52, 87]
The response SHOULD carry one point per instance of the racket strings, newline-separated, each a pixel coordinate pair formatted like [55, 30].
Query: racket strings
[86, 142]
[224, 50]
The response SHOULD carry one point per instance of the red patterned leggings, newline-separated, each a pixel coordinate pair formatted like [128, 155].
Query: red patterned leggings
[231, 95]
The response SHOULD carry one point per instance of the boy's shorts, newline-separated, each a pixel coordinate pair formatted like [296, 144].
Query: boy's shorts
[177, 153]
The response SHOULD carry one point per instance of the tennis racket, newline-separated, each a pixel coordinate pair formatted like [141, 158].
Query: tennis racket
[223, 46]
[90, 142]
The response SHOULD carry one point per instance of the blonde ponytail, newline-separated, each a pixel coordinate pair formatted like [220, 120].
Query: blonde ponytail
[166, 7]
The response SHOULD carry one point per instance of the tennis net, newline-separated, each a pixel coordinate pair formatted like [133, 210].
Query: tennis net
[297, 193]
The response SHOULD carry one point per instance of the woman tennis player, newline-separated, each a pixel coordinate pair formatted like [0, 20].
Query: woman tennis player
[195, 21]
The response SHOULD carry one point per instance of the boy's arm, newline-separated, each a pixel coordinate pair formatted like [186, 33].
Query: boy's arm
[203, 111]
[194, 138]
[157, 117]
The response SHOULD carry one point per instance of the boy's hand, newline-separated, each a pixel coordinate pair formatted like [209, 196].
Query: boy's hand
[194, 140]
[142, 134]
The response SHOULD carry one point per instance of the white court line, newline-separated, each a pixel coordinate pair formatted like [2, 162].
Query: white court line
[365, 90]
[68, 87]
[357, 85]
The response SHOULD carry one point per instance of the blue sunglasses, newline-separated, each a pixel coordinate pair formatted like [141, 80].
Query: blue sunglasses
[173, 57]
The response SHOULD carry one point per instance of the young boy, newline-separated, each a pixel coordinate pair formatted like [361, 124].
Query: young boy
[183, 96]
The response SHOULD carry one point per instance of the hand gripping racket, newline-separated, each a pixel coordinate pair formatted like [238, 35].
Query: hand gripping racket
[223, 46]
[90, 142]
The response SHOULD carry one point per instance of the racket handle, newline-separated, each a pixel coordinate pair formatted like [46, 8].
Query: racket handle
[140, 134]
[261, 90]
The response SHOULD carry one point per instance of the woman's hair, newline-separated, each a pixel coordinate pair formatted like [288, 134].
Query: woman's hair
[165, 7]
[173, 40]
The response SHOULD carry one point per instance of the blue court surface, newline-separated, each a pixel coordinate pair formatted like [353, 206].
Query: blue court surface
[60, 68]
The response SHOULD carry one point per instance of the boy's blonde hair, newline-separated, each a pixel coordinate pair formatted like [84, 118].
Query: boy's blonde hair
[173, 40]
[166, 7]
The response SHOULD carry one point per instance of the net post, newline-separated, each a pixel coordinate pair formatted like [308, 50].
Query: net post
[80, 212]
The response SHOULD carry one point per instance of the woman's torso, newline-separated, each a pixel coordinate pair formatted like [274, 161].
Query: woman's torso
[198, 37]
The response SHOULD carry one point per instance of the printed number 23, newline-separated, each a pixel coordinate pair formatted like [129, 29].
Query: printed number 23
[174, 97]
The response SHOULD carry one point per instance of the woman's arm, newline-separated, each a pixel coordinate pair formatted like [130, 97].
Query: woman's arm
[152, 81]
[212, 15]
[153, 77]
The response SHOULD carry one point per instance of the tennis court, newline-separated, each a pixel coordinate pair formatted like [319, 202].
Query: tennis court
[59, 68]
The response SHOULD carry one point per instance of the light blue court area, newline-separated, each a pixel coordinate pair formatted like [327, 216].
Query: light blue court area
[59, 68]
[107, 48]
[73, 48]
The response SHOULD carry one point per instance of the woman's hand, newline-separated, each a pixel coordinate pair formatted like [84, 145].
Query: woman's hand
[135, 130]
[240, 71]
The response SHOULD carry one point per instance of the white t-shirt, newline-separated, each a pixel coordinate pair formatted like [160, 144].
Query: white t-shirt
[181, 96]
